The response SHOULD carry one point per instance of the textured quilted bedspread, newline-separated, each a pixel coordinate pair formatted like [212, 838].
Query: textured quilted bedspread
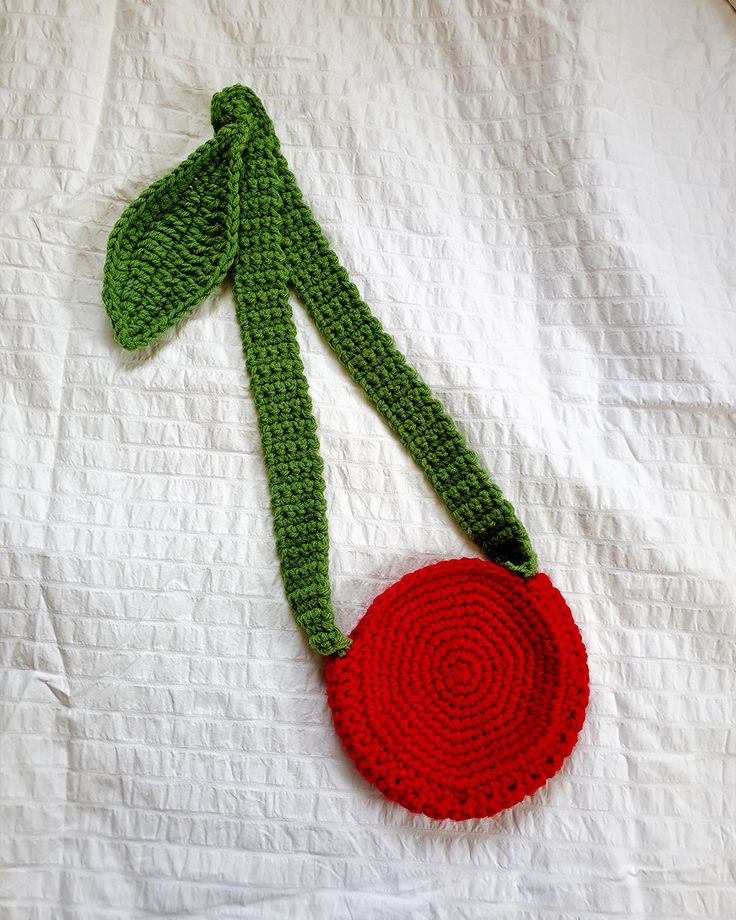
[538, 200]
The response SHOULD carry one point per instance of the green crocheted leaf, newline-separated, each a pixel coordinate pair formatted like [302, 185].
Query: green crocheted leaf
[175, 243]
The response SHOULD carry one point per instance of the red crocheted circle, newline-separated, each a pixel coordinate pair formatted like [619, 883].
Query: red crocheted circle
[464, 689]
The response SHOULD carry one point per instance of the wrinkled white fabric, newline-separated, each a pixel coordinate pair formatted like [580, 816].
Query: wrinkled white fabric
[537, 200]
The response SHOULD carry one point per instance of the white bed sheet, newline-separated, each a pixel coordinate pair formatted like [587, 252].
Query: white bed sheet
[538, 201]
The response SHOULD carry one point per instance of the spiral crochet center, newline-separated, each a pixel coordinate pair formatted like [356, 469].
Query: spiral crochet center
[464, 689]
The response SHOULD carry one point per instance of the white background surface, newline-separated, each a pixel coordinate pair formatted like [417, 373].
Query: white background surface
[537, 199]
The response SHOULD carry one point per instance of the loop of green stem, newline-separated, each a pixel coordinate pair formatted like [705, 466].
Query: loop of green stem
[281, 243]
[234, 205]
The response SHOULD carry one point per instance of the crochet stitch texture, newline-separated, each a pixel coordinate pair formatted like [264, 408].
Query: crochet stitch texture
[234, 203]
[464, 686]
[464, 690]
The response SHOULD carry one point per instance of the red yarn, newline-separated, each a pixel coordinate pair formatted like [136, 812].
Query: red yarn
[464, 689]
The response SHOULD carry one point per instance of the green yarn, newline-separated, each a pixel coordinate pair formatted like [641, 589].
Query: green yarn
[235, 204]
[397, 391]
[176, 242]
[288, 428]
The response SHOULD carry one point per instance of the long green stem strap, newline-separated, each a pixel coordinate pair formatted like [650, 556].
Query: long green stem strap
[235, 204]
[397, 391]
[280, 391]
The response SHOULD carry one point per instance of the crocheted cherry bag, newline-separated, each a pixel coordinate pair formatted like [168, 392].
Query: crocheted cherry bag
[464, 685]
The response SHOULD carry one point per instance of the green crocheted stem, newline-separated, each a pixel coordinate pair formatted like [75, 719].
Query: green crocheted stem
[397, 391]
[235, 204]
[287, 425]
[370, 356]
